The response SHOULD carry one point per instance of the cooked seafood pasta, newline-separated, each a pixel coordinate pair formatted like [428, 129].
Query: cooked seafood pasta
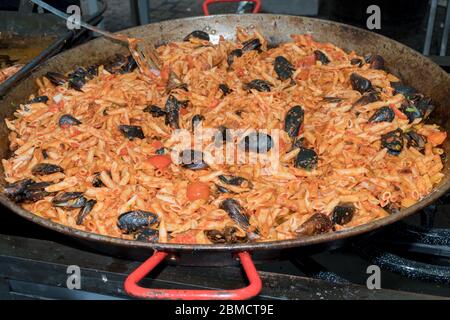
[259, 143]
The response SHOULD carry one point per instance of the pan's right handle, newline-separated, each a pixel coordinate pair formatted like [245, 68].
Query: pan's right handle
[206, 3]
[133, 289]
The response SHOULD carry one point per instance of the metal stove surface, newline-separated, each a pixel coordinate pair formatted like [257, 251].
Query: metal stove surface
[34, 261]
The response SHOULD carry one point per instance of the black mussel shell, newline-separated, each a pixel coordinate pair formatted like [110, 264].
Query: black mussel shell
[26, 190]
[411, 111]
[69, 200]
[227, 235]
[68, 120]
[235, 212]
[147, 235]
[400, 88]
[357, 61]
[235, 181]
[225, 89]
[375, 61]
[393, 141]
[293, 121]
[38, 99]
[283, 68]
[343, 213]
[56, 78]
[85, 210]
[256, 142]
[199, 34]
[252, 44]
[306, 159]
[232, 55]
[173, 112]
[316, 224]
[322, 57]
[359, 83]
[97, 181]
[132, 221]
[131, 132]
[42, 169]
[366, 98]
[415, 140]
[384, 114]
[258, 84]
[155, 111]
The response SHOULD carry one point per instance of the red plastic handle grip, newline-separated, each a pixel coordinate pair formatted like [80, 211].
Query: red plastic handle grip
[206, 3]
[133, 289]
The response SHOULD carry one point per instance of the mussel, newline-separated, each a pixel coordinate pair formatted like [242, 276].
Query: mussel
[256, 142]
[366, 98]
[235, 212]
[411, 111]
[400, 88]
[26, 190]
[283, 68]
[235, 181]
[306, 159]
[359, 83]
[56, 78]
[38, 99]
[415, 140]
[42, 169]
[252, 44]
[234, 53]
[393, 141]
[77, 79]
[135, 220]
[67, 120]
[316, 224]
[225, 89]
[121, 64]
[227, 235]
[85, 210]
[173, 112]
[293, 121]
[199, 34]
[322, 57]
[147, 235]
[258, 84]
[192, 159]
[131, 132]
[343, 213]
[384, 114]
[357, 62]
[97, 181]
[69, 200]
[376, 61]
[155, 111]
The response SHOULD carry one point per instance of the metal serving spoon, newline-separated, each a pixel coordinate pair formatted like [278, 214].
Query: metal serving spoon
[143, 52]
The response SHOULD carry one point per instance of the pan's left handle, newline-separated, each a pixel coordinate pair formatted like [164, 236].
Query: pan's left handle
[133, 289]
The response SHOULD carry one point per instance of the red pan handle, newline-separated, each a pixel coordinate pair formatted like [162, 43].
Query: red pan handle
[133, 289]
[206, 3]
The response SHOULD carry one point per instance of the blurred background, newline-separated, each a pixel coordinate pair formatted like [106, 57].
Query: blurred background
[403, 20]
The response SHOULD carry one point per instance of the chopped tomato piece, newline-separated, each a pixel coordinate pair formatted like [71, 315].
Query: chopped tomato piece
[190, 61]
[214, 103]
[157, 144]
[306, 61]
[188, 237]
[437, 137]
[197, 190]
[165, 72]
[183, 111]
[160, 161]
[123, 152]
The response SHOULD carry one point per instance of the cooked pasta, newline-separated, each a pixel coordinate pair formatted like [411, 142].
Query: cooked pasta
[259, 144]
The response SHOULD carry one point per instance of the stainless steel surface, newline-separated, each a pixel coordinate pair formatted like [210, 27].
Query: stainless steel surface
[409, 65]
